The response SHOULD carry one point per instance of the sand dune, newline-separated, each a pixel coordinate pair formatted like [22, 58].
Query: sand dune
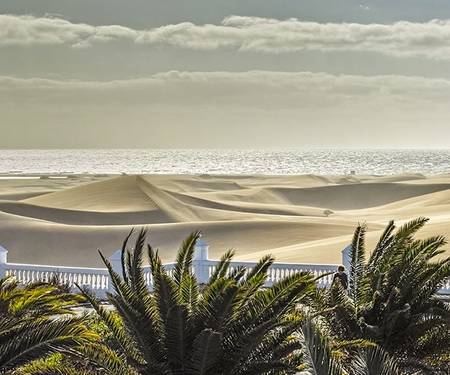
[297, 218]
[118, 194]
[66, 216]
[357, 195]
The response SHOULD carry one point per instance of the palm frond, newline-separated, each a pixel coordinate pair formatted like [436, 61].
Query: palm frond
[375, 361]
[317, 352]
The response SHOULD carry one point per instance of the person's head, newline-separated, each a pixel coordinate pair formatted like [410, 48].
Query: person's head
[341, 269]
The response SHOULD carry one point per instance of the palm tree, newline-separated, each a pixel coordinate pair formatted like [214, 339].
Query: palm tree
[231, 326]
[36, 321]
[392, 295]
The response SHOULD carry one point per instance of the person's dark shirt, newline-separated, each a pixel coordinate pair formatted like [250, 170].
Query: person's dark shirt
[342, 277]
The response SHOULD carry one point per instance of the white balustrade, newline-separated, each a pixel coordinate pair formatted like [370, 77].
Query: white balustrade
[95, 279]
[98, 281]
[445, 290]
[278, 271]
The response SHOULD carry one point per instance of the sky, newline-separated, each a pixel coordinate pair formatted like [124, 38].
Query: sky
[224, 74]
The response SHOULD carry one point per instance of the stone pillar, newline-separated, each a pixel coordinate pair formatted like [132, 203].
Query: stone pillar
[200, 261]
[3, 261]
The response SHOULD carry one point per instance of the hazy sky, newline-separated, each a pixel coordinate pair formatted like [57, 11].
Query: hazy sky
[232, 74]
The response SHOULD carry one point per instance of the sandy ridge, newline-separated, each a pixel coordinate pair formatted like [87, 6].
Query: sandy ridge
[297, 218]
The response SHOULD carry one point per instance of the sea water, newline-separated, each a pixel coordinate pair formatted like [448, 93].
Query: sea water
[269, 162]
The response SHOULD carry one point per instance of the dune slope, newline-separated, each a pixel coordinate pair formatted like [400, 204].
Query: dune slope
[297, 218]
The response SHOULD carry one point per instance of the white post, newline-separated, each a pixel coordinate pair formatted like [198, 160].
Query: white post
[3, 261]
[346, 257]
[200, 261]
[116, 263]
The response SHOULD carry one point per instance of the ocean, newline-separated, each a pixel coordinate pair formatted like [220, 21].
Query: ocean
[267, 162]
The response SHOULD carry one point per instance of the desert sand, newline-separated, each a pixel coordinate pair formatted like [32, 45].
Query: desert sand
[63, 221]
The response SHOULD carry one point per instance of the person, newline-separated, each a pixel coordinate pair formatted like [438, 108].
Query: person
[341, 276]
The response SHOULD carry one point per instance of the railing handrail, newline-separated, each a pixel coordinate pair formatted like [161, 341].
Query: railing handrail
[55, 268]
[285, 265]
[98, 279]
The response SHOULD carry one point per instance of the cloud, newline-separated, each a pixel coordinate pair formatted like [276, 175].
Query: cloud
[264, 89]
[28, 30]
[429, 39]
[226, 109]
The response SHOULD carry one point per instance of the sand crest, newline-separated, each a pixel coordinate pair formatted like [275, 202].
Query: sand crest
[296, 218]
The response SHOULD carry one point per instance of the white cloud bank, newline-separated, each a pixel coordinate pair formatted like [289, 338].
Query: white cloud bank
[240, 88]
[226, 109]
[429, 39]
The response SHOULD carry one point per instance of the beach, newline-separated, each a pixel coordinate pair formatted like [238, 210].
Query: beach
[65, 219]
